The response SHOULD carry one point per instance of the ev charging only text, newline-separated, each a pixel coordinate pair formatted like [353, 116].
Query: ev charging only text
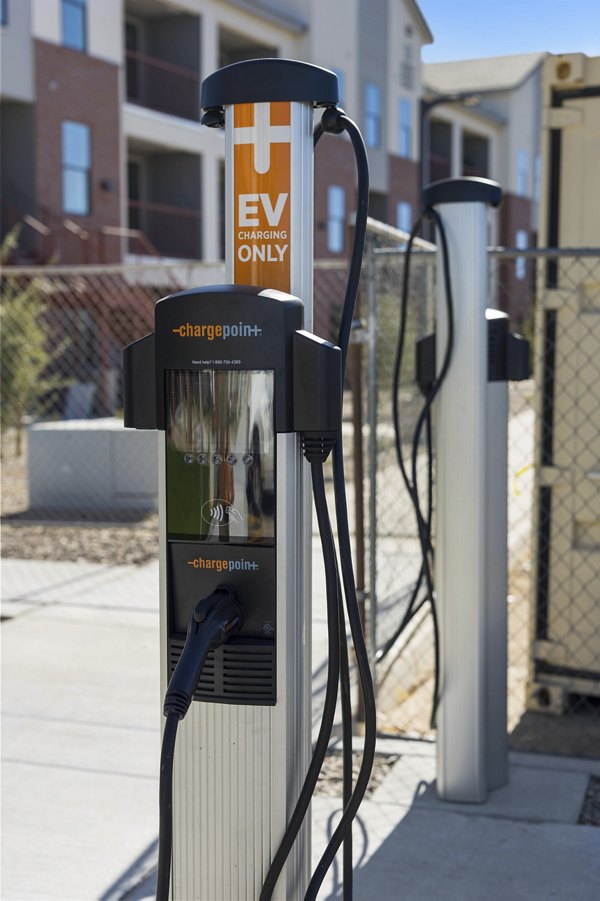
[264, 245]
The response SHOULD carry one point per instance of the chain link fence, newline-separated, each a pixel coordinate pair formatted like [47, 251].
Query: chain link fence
[554, 449]
[77, 486]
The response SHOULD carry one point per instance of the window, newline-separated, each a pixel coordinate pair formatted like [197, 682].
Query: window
[405, 136]
[341, 85]
[407, 67]
[336, 218]
[404, 216]
[522, 172]
[522, 242]
[372, 115]
[537, 177]
[74, 24]
[475, 154]
[76, 168]
[3, 12]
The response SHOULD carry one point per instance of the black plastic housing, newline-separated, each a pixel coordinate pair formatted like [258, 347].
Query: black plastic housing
[261, 323]
[231, 328]
[139, 384]
[260, 80]
[317, 385]
[462, 190]
[508, 354]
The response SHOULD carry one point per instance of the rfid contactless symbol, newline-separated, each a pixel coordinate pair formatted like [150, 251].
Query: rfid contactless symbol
[217, 511]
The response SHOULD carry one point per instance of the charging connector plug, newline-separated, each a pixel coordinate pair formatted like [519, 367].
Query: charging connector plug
[216, 619]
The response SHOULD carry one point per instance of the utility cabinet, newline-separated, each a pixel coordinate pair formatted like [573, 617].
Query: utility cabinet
[565, 621]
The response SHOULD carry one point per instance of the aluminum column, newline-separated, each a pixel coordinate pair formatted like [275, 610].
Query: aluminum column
[470, 547]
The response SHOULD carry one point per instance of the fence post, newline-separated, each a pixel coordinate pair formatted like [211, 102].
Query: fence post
[372, 421]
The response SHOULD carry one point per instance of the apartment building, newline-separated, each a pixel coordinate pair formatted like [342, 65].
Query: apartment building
[484, 119]
[103, 153]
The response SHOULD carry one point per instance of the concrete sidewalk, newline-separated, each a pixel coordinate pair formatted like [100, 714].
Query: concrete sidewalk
[81, 726]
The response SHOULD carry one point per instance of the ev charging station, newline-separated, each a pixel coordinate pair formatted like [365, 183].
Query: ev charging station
[245, 762]
[238, 392]
[471, 416]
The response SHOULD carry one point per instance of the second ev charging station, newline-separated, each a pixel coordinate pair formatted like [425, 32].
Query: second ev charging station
[231, 381]
[471, 566]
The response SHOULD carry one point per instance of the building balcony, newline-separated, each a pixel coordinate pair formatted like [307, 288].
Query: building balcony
[174, 231]
[475, 171]
[163, 86]
[439, 167]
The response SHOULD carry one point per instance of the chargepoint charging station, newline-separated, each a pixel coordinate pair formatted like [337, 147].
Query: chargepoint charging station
[247, 404]
[241, 392]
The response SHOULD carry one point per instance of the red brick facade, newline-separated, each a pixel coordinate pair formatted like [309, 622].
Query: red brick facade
[334, 165]
[515, 215]
[404, 186]
[74, 86]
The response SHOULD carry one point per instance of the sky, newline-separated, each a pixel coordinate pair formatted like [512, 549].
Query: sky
[468, 29]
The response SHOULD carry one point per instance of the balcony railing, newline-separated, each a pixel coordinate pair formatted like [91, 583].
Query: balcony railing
[174, 231]
[162, 86]
[476, 171]
[439, 167]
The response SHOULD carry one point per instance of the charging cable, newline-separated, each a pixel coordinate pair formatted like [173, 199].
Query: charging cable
[430, 390]
[335, 121]
[215, 620]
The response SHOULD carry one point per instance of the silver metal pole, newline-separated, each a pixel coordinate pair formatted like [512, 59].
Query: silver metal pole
[372, 419]
[471, 501]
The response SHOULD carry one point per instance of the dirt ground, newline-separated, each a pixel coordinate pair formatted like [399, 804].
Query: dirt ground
[70, 536]
[405, 688]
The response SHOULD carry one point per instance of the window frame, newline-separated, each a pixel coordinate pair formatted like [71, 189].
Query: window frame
[405, 128]
[81, 6]
[521, 243]
[372, 117]
[336, 220]
[522, 172]
[402, 207]
[70, 166]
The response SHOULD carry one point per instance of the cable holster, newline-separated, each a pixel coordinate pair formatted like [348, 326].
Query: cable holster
[317, 394]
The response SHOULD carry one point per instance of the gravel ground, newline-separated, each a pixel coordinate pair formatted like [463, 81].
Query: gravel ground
[331, 780]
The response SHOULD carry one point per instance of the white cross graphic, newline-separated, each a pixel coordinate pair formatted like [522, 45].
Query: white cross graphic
[262, 134]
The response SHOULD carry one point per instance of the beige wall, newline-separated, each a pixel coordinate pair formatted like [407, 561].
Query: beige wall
[16, 54]
[337, 18]
[104, 26]
[399, 19]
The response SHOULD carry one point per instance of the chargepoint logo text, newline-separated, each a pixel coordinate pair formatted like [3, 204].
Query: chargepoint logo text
[222, 331]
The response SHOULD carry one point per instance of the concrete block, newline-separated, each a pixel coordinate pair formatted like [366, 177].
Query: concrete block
[91, 464]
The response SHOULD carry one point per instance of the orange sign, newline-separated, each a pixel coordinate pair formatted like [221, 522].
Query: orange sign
[261, 194]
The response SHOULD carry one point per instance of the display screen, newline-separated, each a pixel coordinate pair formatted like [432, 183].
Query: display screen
[220, 447]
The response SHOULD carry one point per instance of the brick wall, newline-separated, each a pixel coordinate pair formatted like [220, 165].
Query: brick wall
[515, 214]
[74, 86]
[404, 185]
[334, 165]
